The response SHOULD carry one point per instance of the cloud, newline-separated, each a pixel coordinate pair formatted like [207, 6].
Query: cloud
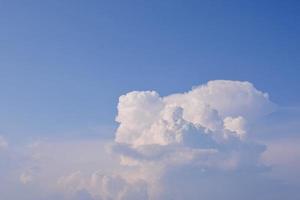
[209, 118]
[205, 128]
[283, 156]
[221, 108]
[197, 144]
[101, 186]
[203, 131]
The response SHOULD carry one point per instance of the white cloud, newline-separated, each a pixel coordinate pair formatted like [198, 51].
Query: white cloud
[228, 98]
[236, 125]
[218, 106]
[205, 128]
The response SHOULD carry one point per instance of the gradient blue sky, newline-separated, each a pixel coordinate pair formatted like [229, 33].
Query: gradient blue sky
[65, 63]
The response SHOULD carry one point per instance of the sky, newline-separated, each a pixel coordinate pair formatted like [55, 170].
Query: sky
[123, 86]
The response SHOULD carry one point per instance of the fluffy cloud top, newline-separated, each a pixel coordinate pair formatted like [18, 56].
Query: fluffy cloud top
[220, 108]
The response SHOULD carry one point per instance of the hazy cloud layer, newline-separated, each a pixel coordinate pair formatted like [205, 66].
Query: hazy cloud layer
[198, 144]
[3, 143]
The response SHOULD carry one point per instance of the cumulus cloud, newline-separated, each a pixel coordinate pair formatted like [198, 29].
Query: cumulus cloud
[221, 108]
[206, 127]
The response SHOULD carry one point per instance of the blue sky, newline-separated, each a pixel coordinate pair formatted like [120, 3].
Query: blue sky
[64, 64]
